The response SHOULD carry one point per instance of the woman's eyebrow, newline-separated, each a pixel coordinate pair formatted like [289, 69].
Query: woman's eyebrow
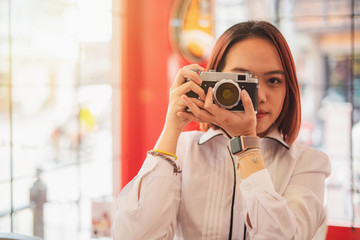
[240, 69]
[274, 72]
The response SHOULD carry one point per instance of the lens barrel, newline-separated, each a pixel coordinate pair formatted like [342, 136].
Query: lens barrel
[227, 93]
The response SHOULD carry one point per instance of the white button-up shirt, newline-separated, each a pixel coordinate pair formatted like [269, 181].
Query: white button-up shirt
[209, 200]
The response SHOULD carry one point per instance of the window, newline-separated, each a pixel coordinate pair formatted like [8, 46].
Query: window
[324, 37]
[56, 114]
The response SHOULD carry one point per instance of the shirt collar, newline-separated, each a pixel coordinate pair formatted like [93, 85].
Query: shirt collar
[276, 135]
[211, 133]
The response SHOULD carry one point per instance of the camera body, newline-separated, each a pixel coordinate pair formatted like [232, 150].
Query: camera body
[227, 88]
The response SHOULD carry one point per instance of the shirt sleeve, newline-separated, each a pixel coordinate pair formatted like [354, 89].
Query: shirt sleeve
[148, 205]
[298, 213]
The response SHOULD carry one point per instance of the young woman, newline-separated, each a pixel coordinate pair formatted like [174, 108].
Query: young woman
[269, 188]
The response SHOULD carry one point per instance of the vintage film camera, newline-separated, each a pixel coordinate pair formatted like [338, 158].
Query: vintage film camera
[227, 88]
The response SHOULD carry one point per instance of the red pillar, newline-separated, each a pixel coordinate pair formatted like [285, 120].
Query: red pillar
[144, 79]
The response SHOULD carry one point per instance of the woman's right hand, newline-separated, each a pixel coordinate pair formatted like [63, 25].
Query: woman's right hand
[180, 87]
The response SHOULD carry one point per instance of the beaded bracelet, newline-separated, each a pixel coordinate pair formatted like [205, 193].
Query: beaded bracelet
[166, 157]
[166, 153]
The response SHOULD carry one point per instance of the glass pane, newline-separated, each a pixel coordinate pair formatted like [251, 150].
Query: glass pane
[21, 192]
[96, 142]
[4, 163]
[94, 22]
[62, 106]
[316, 8]
[44, 42]
[319, 26]
[45, 128]
[4, 92]
[5, 224]
[62, 184]
[62, 221]
[337, 134]
[100, 186]
[356, 127]
[357, 68]
[5, 130]
[23, 222]
[95, 65]
[357, 8]
[4, 44]
[44, 76]
[98, 5]
[228, 12]
[312, 129]
[5, 204]
[59, 3]
[95, 33]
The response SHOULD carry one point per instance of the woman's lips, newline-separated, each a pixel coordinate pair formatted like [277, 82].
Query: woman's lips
[260, 114]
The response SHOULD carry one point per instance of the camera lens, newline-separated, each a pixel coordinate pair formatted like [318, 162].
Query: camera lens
[227, 93]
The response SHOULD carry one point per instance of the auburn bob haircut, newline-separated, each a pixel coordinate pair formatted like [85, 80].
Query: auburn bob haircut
[288, 122]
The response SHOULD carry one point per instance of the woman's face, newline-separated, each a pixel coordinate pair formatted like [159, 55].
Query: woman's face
[261, 58]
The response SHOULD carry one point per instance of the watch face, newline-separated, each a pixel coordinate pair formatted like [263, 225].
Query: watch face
[235, 145]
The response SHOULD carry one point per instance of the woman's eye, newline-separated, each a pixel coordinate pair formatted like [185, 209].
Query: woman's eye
[274, 81]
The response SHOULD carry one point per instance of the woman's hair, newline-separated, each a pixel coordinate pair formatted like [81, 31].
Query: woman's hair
[288, 122]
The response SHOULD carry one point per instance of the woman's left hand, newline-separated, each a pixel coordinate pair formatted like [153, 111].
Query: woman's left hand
[235, 124]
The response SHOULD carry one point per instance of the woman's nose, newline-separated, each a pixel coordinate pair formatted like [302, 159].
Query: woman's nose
[261, 94]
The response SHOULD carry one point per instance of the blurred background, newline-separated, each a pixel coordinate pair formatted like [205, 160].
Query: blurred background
[84, 90]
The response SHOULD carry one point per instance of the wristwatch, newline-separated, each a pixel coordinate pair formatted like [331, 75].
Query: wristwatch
[242, 143]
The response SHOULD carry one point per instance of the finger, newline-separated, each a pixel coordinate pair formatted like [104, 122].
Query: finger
[209, 99]
[192, 103]
[188, 87]
[247, 103]
[194, 66]
[196, 108]
[209, 102]
[198, 114]
[189, 116]
[186, 74]
[221, 115]
[199, 103]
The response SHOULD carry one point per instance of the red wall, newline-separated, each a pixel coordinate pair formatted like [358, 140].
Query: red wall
[144, 79]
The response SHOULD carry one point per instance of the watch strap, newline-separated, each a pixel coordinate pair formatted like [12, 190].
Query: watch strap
[242, 143]
[250, 142]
